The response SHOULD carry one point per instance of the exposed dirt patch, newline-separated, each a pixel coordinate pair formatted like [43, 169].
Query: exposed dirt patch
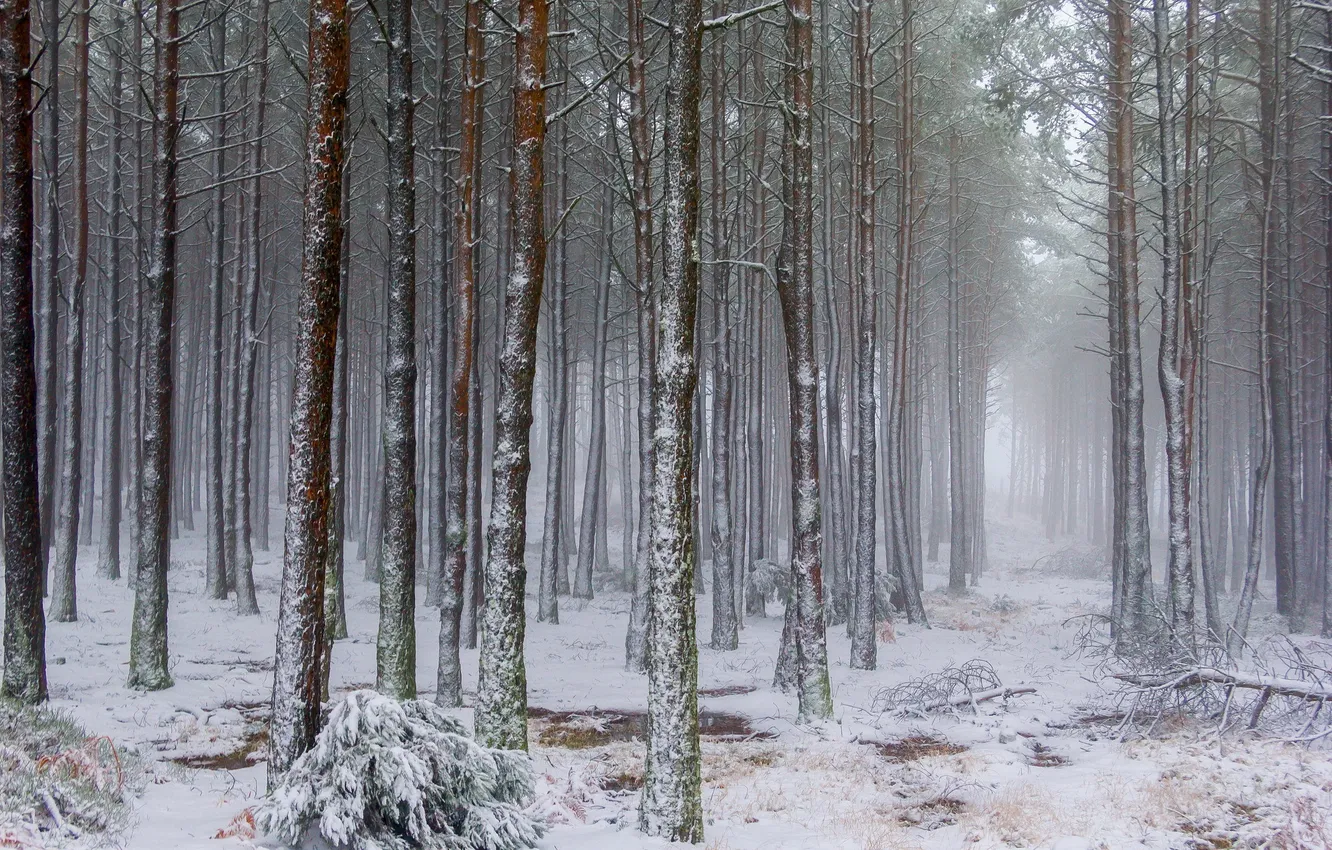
[727, 691]
[932, 814]
[1043, 756]
[250, 752]
[915, 747]
[577, 730]
[623, 782]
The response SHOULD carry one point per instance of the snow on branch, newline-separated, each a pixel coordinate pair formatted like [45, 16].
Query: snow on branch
[390, 775]
[967, 684]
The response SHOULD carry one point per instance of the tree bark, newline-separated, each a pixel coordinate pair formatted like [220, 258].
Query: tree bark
[795, 287]
[671, 806]
[148, 638]
[64, 589]
[25, 620]
[466, 234]
[635, 642]
[395, 657]
[300, 632]
[501, 711]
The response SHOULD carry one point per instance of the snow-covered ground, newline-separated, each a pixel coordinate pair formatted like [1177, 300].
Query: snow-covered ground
[1037, 771]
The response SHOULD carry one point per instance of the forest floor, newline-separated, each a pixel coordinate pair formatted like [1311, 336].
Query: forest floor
[1045, 769]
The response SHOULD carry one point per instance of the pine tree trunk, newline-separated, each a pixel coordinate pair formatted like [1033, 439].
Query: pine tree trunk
[552, 527]
[25, 620]
[671, 806]
[795, 287]
[466, 234]
[49, 396]
[215, 580]
[108, 554]
[594, 481]
[242, 557]
[1179, 465]
[635, 642]
[864, 650]
[64, 593]
[395, 668]
[300, 632]
[148, 638]
[501, 710]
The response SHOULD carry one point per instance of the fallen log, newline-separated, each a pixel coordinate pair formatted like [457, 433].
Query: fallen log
[1193, 676]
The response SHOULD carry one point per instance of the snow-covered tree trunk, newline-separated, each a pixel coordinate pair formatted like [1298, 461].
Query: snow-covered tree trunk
[64, 588]
[501, 710]
[300, 631]
[148, 637]
[242, 557]
[725, 617]
[1326, 630]
[335, 585]
[395, 668]
[958, 551]
[443, 275]
[594, 482]
[640, 144]
[25, 619]
[49, 397]
[219, 426]
[108, 553]
[861, 622]
[795, 287]
[466, 235]
[899, 534]
[552, 526]
[671, 806]
[1179, 465]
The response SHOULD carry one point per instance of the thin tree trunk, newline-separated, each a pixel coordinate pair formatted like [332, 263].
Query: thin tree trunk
[635, 642]
[466, 234]
[64, 592]
[594, 481]
[242, 557]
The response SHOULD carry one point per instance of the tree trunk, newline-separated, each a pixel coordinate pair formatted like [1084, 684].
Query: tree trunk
[108, 554]
[501, 710]
[635, 642]
[795, 287]
[300, 632]
[64, 594]
[671, 806]
[466, 234]
[242, 557]
[1179, 463]
[594, 481]
[215, 579]
[395, 658]
[148, 638]
[25, 620]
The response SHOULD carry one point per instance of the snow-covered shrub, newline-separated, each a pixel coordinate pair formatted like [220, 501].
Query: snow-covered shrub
[390, 775]
[57, 781]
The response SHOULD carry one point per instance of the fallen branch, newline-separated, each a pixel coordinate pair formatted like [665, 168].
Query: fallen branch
[1270, 685]
[980, 696]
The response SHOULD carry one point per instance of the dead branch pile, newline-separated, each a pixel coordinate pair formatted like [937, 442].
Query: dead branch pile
[1283, 695]
[953, 687]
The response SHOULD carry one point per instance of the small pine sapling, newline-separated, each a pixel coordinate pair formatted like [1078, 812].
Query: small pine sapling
[390, 775]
